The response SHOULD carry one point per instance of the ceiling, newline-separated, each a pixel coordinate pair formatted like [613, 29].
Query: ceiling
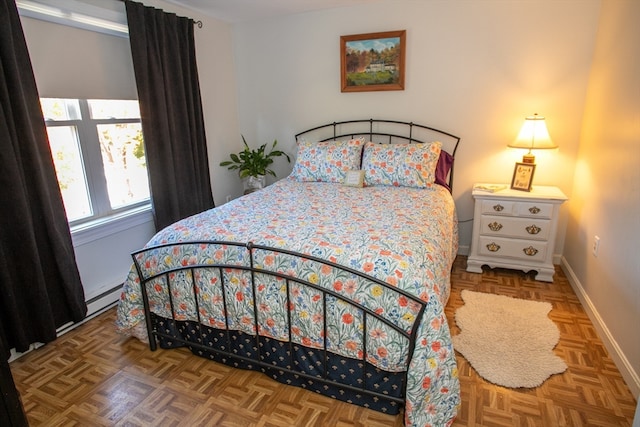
[250, 10]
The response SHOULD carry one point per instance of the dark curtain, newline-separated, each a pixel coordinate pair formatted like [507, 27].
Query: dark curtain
[164, 61]
[11, 409]
[40, 288]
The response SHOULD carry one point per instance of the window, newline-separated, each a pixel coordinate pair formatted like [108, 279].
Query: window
[99, 157]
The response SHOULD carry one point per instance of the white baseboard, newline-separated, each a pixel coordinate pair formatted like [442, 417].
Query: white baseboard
[557, 259]
[464, 250]
[630, 376]
[100, 303]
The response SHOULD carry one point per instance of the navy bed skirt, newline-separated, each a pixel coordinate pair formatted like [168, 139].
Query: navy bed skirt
[240, 350]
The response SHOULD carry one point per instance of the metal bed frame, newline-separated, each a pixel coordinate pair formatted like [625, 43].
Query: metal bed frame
[226, 349]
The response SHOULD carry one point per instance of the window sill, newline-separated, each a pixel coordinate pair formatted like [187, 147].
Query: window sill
[104, 227]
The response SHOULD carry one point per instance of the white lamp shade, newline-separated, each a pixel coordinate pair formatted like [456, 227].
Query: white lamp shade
[533, 135]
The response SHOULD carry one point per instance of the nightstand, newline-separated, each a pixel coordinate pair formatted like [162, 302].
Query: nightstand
[515, 229]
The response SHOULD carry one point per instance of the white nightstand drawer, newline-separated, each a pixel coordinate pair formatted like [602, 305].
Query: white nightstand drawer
[533, 209]
[524, 228]
[512, 248]
[497, 207]
[509, 208]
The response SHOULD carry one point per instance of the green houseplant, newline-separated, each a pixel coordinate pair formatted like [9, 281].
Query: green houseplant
[254, 164]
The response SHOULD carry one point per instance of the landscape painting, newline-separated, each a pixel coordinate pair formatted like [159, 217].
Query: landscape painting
[373, 61]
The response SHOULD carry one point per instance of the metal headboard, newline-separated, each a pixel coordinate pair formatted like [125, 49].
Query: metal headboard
[383, 132]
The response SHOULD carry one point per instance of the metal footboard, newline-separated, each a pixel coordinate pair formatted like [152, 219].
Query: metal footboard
[197, 266]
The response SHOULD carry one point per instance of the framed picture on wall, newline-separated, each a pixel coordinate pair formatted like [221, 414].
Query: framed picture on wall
[372, 61]
[523, 176]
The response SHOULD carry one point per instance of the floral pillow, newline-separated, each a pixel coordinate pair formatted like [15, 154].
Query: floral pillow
[326, 161]
[400, 165]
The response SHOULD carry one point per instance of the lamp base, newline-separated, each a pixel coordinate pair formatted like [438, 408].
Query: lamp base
[528, 158]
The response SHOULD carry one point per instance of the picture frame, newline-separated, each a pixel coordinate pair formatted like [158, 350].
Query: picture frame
[372, 61]
[523, 176]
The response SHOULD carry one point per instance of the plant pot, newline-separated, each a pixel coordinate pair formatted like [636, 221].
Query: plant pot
[253, 183]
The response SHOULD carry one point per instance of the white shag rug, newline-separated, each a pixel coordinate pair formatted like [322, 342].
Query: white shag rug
[508, 341]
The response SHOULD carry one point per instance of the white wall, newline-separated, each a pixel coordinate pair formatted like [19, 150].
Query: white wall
[606, 193]
[71, 62]
[473, 68]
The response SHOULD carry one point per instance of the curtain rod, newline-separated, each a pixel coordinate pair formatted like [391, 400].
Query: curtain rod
[198, 23]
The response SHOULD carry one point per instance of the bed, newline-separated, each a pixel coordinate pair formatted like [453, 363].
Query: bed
[333, 279]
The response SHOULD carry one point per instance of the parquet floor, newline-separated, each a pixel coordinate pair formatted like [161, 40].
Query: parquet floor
[92, 376]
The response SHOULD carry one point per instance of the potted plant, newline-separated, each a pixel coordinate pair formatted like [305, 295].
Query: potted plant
[254, 165]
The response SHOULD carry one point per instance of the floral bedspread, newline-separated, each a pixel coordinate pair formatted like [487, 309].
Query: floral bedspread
[406, 237]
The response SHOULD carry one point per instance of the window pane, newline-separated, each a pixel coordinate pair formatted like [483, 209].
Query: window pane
[124, 162]
[67, 158]
[114, 109]
[60, 109]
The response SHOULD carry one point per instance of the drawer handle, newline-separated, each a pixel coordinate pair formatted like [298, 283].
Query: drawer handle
[493, 247]
[534, 210]
[495, 226]
[498, 207]
[533, 229]
[530, 251]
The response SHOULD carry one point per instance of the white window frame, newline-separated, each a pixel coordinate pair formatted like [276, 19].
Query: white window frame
[89, 142]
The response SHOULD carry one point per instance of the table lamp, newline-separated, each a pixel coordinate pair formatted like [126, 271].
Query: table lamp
[533, 136]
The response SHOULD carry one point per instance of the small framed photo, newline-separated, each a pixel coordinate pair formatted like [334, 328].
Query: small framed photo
[373, 61]
[523, 176]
